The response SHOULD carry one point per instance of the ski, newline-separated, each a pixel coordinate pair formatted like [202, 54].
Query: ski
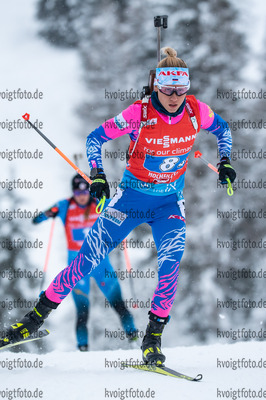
[163, 371]
[4, 343]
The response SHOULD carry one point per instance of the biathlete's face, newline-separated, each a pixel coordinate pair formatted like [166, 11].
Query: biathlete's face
[171, 97]
[82, 197]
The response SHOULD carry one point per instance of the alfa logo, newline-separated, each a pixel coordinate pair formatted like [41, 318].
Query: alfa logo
[174, 73]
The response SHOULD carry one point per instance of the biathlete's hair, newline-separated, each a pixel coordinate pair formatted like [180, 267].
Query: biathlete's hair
[171, 59]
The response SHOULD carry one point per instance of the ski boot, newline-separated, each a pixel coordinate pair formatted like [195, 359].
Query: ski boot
[31, 322]
[126, 319]
[151, 344]
[83, 347]
[132, 335]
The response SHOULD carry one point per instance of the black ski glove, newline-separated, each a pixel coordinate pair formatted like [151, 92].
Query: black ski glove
[99, 186]
[225, 169]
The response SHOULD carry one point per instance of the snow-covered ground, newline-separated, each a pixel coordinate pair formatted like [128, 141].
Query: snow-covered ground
[227, 373]
[29, 63]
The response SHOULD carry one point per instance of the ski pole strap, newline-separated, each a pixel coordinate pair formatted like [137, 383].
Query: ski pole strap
[100, 205]
[230, 190]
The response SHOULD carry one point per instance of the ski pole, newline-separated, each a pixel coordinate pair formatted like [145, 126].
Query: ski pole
[129, 268]
[198, 154]
[47, 253]
[100, 205]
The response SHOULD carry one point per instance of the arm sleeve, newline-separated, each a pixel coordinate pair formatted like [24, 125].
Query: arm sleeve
[125, 123]
[215, 124]
[62, 207]
[40, 218]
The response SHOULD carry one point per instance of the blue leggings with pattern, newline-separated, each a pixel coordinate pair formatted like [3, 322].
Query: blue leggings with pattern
[128, 209]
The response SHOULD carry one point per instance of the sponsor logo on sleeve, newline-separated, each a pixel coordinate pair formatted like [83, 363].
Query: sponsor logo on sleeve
[115, 216]
[120, 122]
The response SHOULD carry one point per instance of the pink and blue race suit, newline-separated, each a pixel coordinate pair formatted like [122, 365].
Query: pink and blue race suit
[151, 191]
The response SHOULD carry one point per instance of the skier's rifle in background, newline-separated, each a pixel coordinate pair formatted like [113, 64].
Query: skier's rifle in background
[159, 22]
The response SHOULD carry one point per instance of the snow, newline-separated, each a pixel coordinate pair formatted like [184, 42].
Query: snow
[97, 375]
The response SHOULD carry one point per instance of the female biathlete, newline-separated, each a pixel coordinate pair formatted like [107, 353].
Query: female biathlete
[162, 130]
[78, 214]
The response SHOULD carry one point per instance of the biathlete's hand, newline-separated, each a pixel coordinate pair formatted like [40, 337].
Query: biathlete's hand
[51, 213]
[99, 185]
[225, 170]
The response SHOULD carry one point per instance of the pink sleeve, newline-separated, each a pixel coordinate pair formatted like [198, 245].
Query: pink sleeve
[127, 122]
[206, 115]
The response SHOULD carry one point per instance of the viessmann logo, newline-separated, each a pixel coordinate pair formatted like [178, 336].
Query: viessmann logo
[166, 140]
